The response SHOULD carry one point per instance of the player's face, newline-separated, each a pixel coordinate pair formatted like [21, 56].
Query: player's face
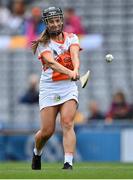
[55, 24]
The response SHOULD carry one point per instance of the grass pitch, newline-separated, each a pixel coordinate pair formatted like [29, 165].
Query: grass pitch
[22, 170]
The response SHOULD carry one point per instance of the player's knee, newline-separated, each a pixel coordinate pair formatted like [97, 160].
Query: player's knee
[67, 123]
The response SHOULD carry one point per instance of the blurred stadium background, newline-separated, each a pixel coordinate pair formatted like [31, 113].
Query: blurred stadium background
[109, 29]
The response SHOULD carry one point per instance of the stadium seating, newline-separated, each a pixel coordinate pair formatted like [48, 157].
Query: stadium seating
[108, 18]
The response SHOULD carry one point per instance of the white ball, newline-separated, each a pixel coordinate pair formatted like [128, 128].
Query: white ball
[109, 57]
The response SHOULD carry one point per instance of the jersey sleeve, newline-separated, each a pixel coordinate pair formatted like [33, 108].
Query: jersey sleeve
[75, 41]
[42, 49]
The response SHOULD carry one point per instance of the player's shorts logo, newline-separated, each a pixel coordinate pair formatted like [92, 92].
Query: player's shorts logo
[57, 98]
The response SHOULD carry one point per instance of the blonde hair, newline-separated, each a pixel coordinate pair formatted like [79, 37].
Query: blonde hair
[44, 38]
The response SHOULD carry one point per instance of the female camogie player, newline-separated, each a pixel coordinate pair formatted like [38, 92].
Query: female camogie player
[58, 52]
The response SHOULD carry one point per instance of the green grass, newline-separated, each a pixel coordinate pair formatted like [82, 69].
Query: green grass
[22, 170]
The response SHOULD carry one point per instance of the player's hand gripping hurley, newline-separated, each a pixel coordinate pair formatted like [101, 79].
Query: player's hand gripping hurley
[84, 79]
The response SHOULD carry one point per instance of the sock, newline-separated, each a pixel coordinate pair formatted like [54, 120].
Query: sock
[36, 152]
[68, 158]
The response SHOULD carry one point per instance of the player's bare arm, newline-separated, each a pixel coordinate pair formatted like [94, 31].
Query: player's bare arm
[74, 51]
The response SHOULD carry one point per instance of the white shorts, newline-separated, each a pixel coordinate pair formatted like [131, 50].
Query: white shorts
[55, 93]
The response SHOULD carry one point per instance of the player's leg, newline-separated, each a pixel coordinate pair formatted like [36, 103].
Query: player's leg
[67, 112]
[48, 118]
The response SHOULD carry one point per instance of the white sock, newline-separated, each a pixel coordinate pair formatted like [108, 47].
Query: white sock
[68, 158]
[36, 152]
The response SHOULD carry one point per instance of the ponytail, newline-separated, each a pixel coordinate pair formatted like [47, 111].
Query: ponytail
[44, 38]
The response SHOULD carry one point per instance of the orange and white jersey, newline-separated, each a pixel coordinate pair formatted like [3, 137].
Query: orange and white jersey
[61, 54]
[56, 88]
